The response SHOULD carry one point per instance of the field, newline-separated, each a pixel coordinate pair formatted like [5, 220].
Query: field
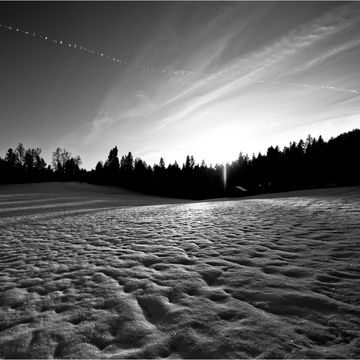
[98, 272]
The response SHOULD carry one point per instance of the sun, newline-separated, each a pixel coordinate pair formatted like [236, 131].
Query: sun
[219, 145]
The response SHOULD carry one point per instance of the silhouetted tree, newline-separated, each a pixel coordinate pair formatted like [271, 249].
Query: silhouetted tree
[20, 153]
[23, 166]
[127, 162]
[111, 167]
[142, 176]
[59, 158]
[66, 167]
[127, 169]
[301, 165]
[72, 167]
[11, 158]
[112, 162]
[99, 167]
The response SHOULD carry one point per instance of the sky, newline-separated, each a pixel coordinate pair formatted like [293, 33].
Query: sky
[170, 79]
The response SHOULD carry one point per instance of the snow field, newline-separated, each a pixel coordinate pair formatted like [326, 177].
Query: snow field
[251, 278]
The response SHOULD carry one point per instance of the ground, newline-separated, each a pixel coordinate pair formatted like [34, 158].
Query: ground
[100, 272]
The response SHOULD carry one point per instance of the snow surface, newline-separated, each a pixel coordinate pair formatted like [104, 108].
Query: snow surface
[85, 273]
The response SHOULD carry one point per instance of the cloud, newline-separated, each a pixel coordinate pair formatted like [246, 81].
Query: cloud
[244, 91]
[268, 63]
[338, 51]
[98, 125]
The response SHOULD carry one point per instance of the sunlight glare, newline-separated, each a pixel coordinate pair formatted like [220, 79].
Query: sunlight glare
[220, 145]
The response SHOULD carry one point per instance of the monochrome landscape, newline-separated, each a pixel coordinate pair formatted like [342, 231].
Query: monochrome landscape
[180, 180]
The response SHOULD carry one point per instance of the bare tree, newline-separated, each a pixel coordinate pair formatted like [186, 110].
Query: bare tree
[59, 158]
[20, 153]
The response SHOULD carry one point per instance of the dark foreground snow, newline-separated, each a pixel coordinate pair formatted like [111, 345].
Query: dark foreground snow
[276, 277]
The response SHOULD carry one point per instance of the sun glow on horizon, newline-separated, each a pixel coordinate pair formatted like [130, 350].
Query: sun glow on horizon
[219, 145]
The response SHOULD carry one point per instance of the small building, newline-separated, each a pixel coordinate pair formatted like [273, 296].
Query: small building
[237, 191]
[240, 188]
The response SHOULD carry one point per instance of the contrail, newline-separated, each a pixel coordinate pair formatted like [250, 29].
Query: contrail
[83, 48]
[311, 86]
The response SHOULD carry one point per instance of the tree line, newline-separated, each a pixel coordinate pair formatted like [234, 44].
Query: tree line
[22, 165]
[308, 164]
[189, 181]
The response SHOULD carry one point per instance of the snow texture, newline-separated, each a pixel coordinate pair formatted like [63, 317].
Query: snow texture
[87, 274]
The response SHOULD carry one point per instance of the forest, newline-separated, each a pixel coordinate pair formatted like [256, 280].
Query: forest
[313, 163]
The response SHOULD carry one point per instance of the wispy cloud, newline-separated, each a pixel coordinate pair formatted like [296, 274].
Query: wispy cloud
[337, 51]
[254, 84]
[269, 63]
[100, 124]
